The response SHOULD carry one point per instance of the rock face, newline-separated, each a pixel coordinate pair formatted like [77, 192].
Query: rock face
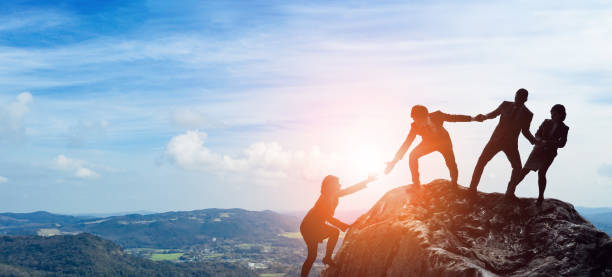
[441, 231]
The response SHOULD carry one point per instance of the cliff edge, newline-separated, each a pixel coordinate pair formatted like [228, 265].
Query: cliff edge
[440, 231]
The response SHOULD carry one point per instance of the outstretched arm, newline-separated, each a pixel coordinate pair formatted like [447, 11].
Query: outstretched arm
[527, 133]
[494, 113]
[356, 187]
[336, 222]
[401, 151]
[455, 117]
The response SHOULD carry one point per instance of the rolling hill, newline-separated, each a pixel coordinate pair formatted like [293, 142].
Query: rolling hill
[161, 230]
[89, 255]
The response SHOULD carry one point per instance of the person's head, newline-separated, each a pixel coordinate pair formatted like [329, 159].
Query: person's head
[557, 113]
[521, 96]
[330, 185]
[419, 113]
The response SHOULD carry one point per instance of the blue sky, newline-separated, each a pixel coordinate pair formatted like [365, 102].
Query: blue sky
[150, 105]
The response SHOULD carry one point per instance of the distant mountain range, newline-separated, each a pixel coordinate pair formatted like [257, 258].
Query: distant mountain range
[160, 230]
[89, 255]
[600, 217]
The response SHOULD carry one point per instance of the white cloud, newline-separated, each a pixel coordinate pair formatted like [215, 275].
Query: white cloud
[77, 168]
[3, 179]
[12, 116]
[265, 160]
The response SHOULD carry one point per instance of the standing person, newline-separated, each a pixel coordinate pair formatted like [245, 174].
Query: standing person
[314, 228]
[514, 118]
[551, 135]
[435, 138]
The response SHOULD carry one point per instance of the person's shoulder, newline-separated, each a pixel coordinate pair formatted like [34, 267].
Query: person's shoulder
[436, 114]
[527, 111]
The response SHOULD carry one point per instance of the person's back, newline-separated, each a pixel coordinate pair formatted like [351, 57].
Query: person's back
[323, 209]
[432, 130]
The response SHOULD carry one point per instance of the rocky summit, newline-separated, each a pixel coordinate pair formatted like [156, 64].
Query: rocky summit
[438, 230]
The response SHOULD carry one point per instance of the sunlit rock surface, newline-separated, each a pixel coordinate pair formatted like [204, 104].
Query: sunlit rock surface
[438, 231]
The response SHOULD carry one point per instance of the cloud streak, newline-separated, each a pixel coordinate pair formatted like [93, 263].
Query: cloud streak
[268, 161]
[12, 117]
[77, 168]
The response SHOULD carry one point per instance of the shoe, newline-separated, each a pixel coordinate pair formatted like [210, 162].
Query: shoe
[328, 261]
[510, 197]
[472, 192]
[413, 187]
[539, 202]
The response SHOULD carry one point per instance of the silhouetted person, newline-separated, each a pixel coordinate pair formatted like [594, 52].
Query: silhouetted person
[514, 119]
[434, 138]
[551, 135]
[314, 228]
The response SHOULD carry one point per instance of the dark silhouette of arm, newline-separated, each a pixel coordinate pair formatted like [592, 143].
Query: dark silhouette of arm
[495, 112]
[526, 132]
[336, 222]
[540, 133]
[454, 117]
[563, 139]
[401, 151]
[354, 188]
[404, 148]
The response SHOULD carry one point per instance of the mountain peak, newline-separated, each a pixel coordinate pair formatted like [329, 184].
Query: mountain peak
[441, 231]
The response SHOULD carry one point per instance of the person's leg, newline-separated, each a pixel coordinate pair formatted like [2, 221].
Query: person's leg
[420, 150]
[449, 158]
[489, 151]
[514, 182]
[332, 238]
[310, 258]
[542, 184]
[515, 161]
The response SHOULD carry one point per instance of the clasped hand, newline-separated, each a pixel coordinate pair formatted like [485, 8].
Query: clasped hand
[479, 118]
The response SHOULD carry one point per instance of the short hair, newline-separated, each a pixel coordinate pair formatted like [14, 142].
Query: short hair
[522, 93]
[418, 110]
[560, 109]
[329, 179]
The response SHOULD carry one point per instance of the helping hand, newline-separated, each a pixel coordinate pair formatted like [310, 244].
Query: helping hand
[372, 177]
[390, 166]
[479, 118]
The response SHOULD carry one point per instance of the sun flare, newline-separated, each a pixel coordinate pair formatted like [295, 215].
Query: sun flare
[367, 161]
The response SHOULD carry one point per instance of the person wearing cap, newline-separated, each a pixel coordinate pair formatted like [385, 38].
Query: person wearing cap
[430, 126]
[551, 136]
